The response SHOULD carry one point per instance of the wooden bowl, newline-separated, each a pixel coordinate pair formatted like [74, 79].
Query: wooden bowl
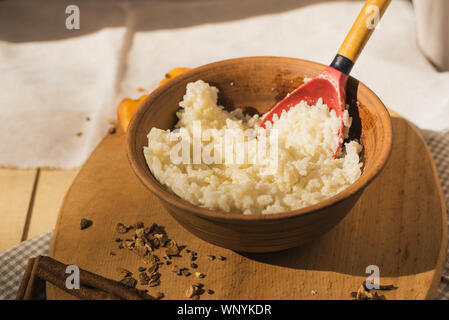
[258, 83]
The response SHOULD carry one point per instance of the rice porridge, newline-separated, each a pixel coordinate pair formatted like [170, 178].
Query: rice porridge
[224, 161]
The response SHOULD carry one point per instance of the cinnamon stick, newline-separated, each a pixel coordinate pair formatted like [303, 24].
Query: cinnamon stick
[92, 286]
[92, 280]
[82, 293]
[32, 284]
[25, 279]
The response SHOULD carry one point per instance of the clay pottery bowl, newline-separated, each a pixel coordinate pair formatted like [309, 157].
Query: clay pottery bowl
[256, 84]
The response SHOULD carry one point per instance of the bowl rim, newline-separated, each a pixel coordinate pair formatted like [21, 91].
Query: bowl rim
[166, 196]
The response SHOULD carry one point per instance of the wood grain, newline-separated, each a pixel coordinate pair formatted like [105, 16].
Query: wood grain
[16, 189]
[50, 192]
[399, 224]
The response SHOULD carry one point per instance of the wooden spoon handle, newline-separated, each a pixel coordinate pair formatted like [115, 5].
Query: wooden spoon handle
[362, 28]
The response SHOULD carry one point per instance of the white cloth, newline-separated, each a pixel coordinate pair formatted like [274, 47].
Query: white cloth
[53, 79]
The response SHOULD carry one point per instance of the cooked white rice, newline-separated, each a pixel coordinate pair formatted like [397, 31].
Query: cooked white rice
[302, 173]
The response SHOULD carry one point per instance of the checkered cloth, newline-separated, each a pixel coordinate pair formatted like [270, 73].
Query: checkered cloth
[438, 143]
[14, 260]
[13, 263]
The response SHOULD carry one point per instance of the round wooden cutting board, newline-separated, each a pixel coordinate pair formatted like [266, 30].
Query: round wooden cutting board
[399, 224]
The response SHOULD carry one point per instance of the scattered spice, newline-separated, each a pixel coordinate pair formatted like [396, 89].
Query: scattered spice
[85, 223]
[185, 272]
[139, 225]
[112, 130]
[146, 242]
[144, 278]
[124, 273]
[176, 270]
[121, 228]
[79, 134]
[191, 291]
[87, 119]
[129, 282]
[363, 293]
[172, 248]
[159, 295]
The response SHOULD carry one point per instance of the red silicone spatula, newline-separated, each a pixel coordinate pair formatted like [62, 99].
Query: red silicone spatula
[330, 84]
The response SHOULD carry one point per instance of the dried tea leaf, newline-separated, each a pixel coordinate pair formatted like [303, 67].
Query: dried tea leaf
[153, 268]
[172, 248]
[139, 225]
[129, 244]
[155, 242]
[140, 233]
[121, 228]
[154, 283]
[210, 257]
[85, 223]
[140, 248]
[156, 229]
[155, 276]
[151, 259]
[387, 287]
[176, 270]
[144, 278]
[185, 272]
[124, 272]
[363, 294]
[200, 275]
[129, 282]
[191, 291]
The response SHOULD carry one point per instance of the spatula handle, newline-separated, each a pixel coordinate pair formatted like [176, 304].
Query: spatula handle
[359, 34]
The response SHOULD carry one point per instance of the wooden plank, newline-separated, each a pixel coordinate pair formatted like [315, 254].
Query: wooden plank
[50, 192]
[16, 189]
[399, 224]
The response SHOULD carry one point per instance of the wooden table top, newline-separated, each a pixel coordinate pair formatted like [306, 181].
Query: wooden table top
[29, 202]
